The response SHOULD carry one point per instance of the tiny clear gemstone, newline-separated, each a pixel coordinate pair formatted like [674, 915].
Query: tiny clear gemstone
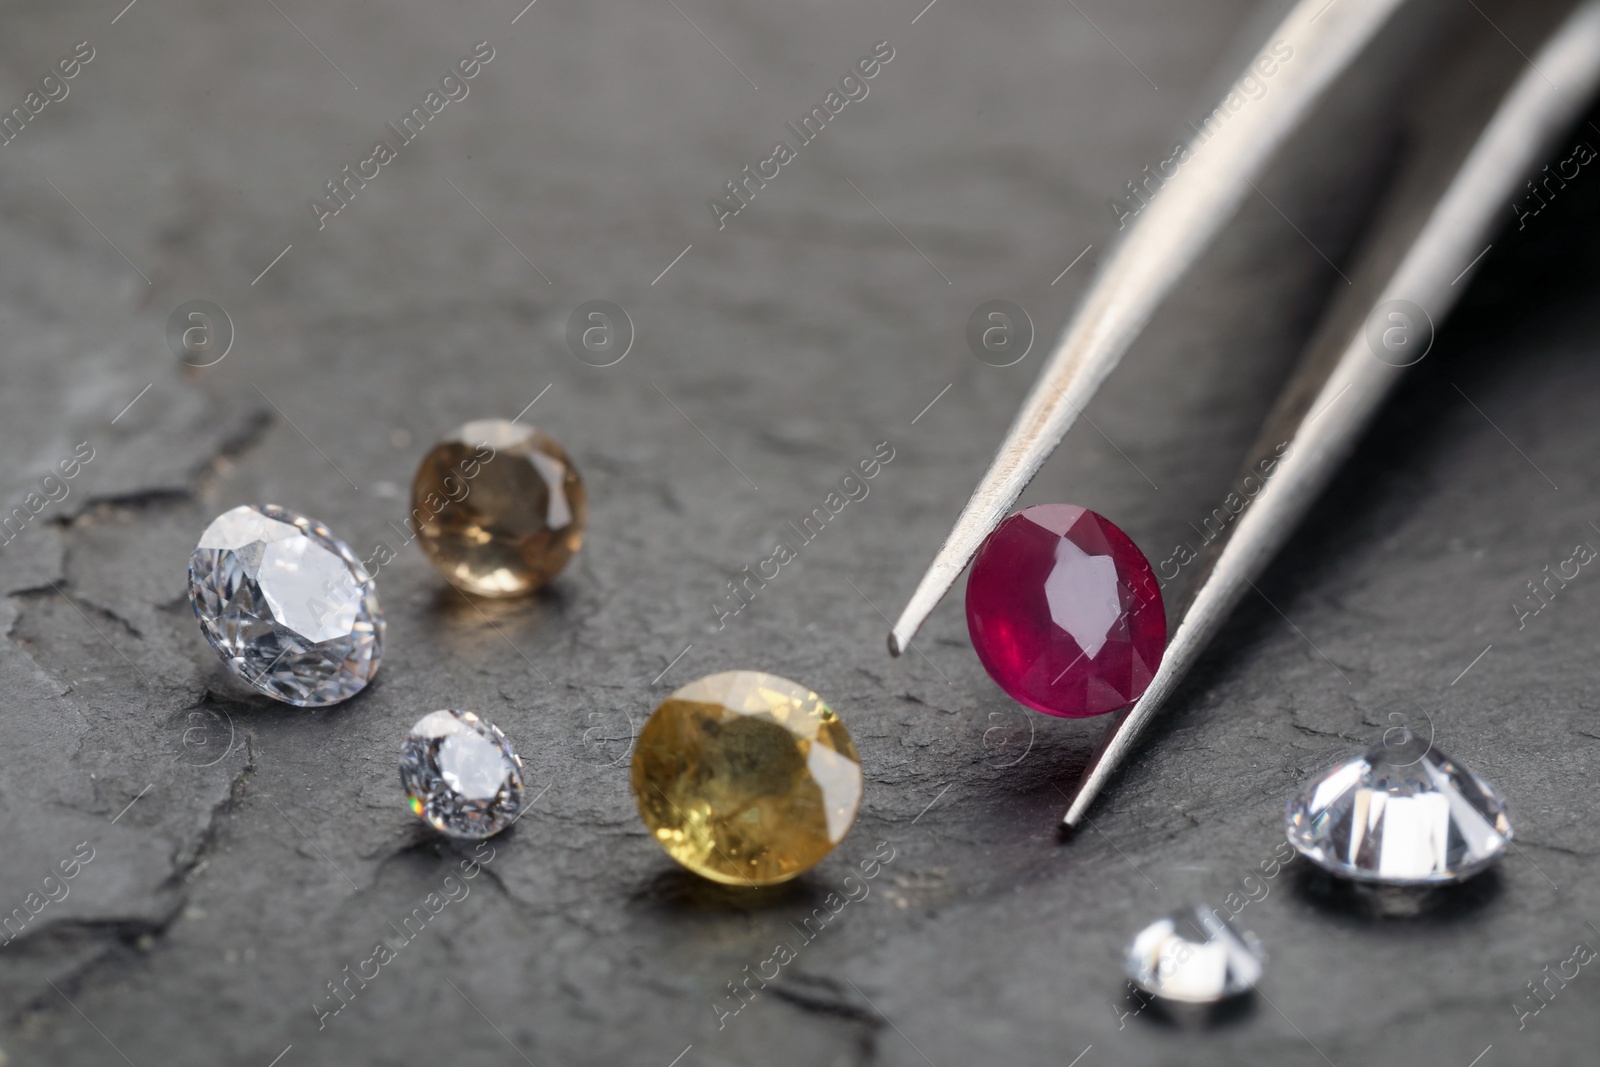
[1401, 813]
[460, 774]
[288, 606]
[746, 778]
[1065, 612]
[498, 508]
[1194, 956]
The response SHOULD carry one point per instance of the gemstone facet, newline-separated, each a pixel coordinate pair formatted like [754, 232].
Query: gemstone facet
[498, 508]
[746, 778]
[288, 606]
[1065, 612]
[460, 775]
[1402, 813]
[1194, 956]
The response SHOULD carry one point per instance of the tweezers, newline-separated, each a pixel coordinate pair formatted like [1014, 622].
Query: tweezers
[1429, 241]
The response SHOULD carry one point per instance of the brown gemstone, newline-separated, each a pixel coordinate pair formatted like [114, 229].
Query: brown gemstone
[498, 508]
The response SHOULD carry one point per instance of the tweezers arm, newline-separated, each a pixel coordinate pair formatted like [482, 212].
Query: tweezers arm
[1169, 235]
[1541, 105]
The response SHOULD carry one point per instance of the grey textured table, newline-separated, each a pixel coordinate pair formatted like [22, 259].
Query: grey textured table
[245, 854]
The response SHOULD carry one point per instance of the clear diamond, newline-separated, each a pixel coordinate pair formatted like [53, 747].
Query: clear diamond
[288, 606]
[1402, 813]
[460, 774]
[1194, 956]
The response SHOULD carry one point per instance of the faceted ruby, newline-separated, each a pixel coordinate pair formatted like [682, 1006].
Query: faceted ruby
[1065, 612]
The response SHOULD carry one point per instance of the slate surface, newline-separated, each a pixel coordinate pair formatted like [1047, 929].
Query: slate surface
[244, 854]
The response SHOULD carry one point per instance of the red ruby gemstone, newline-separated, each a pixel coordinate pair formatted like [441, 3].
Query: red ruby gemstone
[1065, 612]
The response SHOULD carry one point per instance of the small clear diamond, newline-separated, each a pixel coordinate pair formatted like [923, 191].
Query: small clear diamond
[460, 774]
[1194, 956]
[288, 606]
[1402, 813]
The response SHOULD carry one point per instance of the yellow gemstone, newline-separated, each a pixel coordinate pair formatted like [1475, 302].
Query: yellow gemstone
[498, 508]
[746, 778]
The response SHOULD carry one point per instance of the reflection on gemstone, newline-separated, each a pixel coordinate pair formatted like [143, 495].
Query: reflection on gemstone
[461, 775]
[1194, 956]
[746, 778]
[288, 606]
[1065, 612]
[1402, 813]
[498, 508]
[1083, 596]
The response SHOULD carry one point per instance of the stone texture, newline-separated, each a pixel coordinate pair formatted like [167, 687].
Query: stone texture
[218, 907]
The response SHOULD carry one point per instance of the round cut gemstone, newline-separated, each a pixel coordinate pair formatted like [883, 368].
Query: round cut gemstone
[746, 778]
[498, 508]
[460, 775]
[1194, 956]
[1065, 612]
[288, 606]
[1402, 813]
